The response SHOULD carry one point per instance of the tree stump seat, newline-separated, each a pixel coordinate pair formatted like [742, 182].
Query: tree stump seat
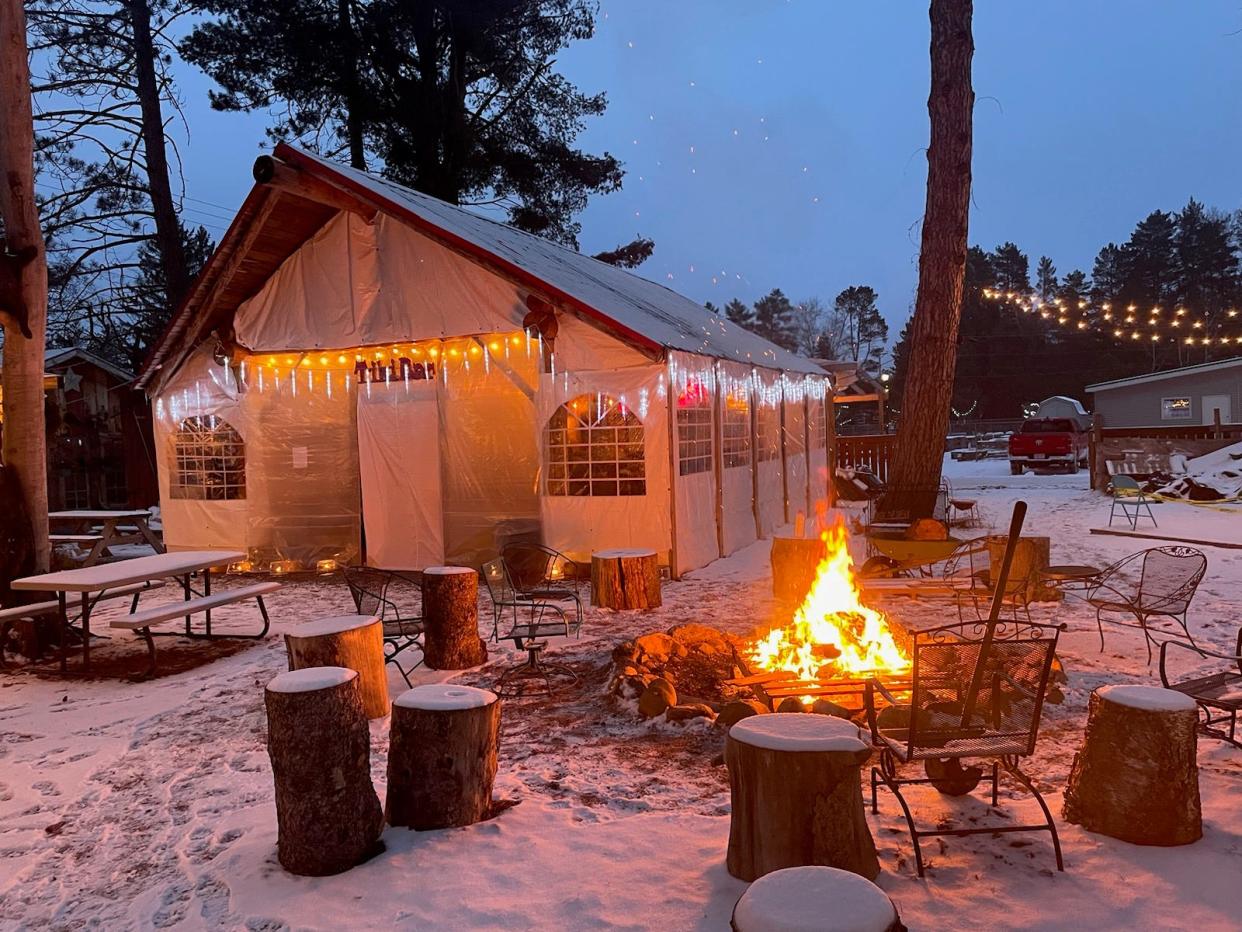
[328, 815]
[451, 618]
[355, 642]
[625, 579]
[796, 797]
[815, 899]
[1136, 777]
[443, 756]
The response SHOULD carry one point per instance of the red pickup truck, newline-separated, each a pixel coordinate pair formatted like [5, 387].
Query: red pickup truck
[1045, 442]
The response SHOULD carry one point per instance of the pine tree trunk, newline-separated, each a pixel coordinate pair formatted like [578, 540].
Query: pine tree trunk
[23, 299]
[928, 392]
[167, 224]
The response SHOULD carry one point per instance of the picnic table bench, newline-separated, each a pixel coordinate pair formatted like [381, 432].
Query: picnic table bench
[103, 529]
[130, 576]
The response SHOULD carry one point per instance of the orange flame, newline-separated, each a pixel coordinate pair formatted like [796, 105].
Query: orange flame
[832, 635]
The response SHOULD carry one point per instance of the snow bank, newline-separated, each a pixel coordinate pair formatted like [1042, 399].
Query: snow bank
[1210, 477]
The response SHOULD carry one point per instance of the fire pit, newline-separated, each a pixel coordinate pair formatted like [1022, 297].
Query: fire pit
[833, 643]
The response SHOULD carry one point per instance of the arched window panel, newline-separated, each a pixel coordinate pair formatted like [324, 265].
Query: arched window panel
[209, 460]
[694, 428]
[595, 447]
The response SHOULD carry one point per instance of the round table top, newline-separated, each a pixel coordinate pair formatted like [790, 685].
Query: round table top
[622, 554]
[1069, 571]
[444, 697]
[798, 731]
[334, 625]
[447, 570]
[310, 679]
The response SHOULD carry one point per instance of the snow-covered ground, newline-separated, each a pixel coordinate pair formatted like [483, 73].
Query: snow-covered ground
[137, 805]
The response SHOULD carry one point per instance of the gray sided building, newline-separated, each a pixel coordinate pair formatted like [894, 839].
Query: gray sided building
[1177, 397]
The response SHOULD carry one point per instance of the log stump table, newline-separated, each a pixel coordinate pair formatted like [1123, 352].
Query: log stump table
[815, 899]
[451, 618]
[625, 579]
[442, 759]
[796, 796]
[327, 813]
[355, 642]
[1136, 777]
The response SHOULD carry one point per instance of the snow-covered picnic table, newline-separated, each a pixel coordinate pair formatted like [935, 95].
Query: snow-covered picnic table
[114, 527]
[95, 582]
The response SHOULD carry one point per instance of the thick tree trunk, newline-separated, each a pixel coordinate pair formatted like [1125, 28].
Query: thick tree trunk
[328, 815]
[167, 224]
[23, 285]
[353, 94]
[625, 579]
[442, 759]
[355, 642]
[1136, 777]
[928, 392]
[796, 797]
[451, 618]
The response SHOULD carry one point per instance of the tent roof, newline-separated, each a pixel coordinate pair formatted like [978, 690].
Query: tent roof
[631, 307]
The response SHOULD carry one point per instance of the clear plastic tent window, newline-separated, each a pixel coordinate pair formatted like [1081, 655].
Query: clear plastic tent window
[595, 447]
[694, 429]
[735, 428]
[210, 460]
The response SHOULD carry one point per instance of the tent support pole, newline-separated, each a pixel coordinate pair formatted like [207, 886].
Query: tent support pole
[806, 443]
[674, 568]
[830, 442]
[784, 452]
[754, 453]
[718, 454]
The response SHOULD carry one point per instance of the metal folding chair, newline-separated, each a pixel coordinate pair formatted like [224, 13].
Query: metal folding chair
[1129, 497]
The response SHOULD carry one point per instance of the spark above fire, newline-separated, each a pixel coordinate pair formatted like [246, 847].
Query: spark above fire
[832, 634]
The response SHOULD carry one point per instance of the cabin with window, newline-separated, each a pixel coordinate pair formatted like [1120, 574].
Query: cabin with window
[365, 373]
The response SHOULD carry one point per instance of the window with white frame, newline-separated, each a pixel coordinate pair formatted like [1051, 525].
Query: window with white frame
[694, 429]
[209, 460]
[594, 446]
[735, 431]
[768, 433]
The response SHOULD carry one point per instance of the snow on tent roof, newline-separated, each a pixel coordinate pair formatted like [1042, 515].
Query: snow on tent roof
[631, 302]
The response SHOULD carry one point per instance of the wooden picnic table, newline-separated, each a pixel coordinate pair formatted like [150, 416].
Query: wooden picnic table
[82, 521]
[90, 580]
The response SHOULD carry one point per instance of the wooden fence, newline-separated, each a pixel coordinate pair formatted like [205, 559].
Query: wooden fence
[873, 451]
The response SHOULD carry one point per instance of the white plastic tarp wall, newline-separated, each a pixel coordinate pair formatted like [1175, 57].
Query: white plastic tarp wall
[694, 401]
[577, 525]
[817, 456]
[737, 514]
[399, 465]
[795, 446]
[768, 466]
[356, 283]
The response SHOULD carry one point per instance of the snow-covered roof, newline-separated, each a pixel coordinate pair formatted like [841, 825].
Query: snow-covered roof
[1166, 374]
[67, 354]
[628, 302]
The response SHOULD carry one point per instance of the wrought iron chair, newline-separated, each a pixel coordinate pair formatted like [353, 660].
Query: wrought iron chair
[541, 574]
[1129, 497]
[528, 634]
[1151, 583]
[1218, 695]
[374, 592]
[929, 723]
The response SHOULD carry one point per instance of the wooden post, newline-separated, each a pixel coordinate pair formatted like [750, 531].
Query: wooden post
[451, 618]
[1136, 776]
[1097, 466]
[796, 797]
[327, 813]
[625, 579]
[355, 642]
[1216, 431]
[442, 760]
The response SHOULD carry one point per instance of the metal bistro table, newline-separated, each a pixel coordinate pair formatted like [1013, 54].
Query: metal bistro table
[93, 579]
[1070, 577]
[110, 534]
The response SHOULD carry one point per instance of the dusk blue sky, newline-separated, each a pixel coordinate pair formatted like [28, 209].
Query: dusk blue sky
[780, 143]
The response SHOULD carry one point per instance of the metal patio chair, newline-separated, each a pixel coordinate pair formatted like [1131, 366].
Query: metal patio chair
[375, 592]
[1159, 582]
[544, 575]
[937, 730]
[1218, 695]
[1129, 497]
[534, 616]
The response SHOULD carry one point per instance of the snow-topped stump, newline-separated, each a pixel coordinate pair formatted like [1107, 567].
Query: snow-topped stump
[327, 813]
[451, 618]
[815, 899]
[625, 579]
[1136, 776]
[355, 642]
[796, 796]
[442, 759]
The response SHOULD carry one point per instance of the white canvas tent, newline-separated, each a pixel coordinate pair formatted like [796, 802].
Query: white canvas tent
[362, 370]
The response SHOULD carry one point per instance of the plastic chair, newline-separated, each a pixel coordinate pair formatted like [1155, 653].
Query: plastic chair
[1129, 496]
